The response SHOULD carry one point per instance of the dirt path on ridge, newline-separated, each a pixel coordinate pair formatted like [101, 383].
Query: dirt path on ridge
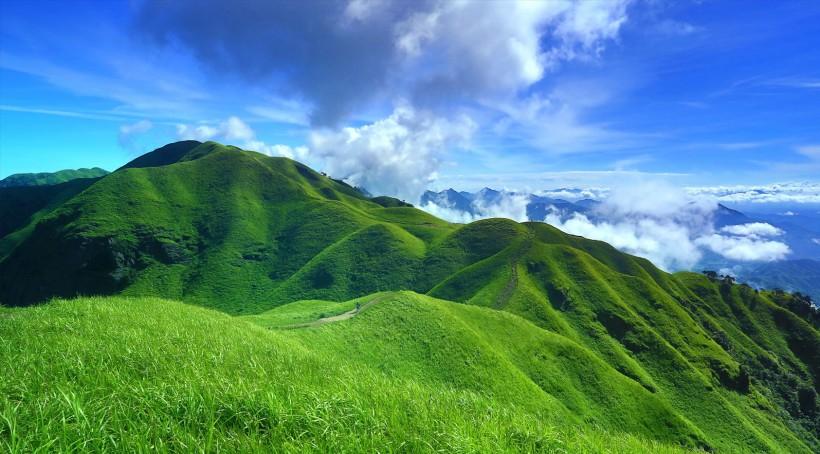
[512, 283]
[336, 318]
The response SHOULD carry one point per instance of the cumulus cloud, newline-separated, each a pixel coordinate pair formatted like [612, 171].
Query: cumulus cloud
[507, 205]
[449, 213]
[667, 244]
[129, 131]
[670, 228]
[398, 155]
[575, 194]
[502, 205]
[232, 129]
[339, 55]
[664, 224]
[649, 219]
[235, 131]
[795, 192]
[745, 248]
[753, 229]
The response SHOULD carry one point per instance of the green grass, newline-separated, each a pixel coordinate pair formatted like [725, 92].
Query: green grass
[134, 375]
[45, 178]
[523, 319]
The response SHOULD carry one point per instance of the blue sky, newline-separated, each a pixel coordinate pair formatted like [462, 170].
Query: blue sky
[403, 96]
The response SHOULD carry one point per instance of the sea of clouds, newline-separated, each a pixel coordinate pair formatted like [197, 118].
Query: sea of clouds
[672, 227]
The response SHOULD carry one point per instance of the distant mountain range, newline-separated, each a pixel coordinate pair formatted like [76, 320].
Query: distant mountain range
[475, 203]
[45, 178]
[798, 273]
[497, 324]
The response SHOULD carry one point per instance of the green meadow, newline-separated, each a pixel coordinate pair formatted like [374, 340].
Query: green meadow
[205, 298]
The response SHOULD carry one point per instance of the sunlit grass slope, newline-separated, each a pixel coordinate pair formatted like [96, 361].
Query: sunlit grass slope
[220, 227]
[144, 374]
[565, 325]
[674, 335]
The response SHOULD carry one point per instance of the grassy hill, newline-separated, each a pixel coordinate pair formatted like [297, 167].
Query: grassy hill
[561, 337]
[50, 178]
[21, 207]
[122, 374]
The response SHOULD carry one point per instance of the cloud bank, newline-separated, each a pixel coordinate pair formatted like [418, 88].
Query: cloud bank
[341, 55]
[670, 228]
[417, 67]
[398, 155]
[505, 205]
[235, 131]
[803, 192]
[649, 219]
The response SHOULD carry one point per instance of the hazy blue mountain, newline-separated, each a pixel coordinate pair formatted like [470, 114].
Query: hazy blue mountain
[791, 275]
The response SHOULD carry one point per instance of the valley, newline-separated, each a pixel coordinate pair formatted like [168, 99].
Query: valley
[206, 296]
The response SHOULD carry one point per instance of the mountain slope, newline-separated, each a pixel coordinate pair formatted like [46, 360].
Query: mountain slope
[127, 375]
[587, 331]
[218, 226]
[22, 206]
[50, 178]
[789, 275]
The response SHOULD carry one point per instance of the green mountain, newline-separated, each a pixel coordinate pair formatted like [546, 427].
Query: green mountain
[343, 322]
[801, 274]
[46, 178]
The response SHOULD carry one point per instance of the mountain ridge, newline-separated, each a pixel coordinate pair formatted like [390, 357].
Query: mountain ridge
[50, 178]
[249, 235]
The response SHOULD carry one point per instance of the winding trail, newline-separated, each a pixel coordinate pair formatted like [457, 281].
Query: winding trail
[504, 297]
[337, 318]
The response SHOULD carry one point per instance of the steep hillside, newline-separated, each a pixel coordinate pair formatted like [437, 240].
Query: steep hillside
[131, 375]
[22, 206]
[788, 275]
[220, 227]
[567, 326]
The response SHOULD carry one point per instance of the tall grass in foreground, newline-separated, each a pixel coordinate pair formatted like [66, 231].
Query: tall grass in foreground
[139, 375]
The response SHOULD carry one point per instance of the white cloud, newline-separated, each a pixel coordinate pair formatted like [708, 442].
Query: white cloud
[815, 240]
[575, 194]
[667, 244]
[235, 129]
[796, 192]
[232, 129]
[237, 132]
[645, 218]
[511, 206]
[129, 131]
[521, 43]
[511, 54]
[398, 155]
[745, 248]
[136, 128]
[650, 219]
[433, 52]
[282, 111]
[810, 151]
[300, 153]
[675, 28]
[754, 229]
[670, 228]
[201, 132]
[448, 214]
